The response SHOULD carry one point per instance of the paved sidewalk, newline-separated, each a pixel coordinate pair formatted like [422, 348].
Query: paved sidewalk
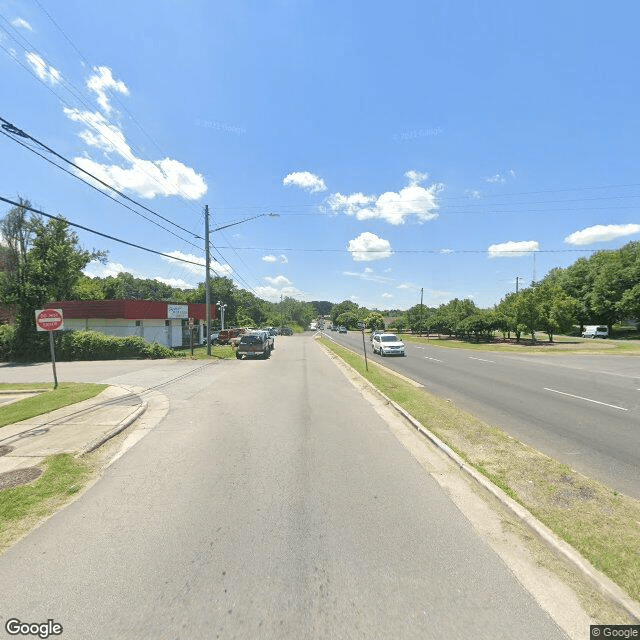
[77, 428]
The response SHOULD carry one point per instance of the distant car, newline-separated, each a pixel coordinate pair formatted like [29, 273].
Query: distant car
[286, 331]
[342, 329]
[213, 335]
[387, 344]
[595, 331]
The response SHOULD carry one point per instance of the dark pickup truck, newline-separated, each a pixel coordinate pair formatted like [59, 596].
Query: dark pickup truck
[255, 345]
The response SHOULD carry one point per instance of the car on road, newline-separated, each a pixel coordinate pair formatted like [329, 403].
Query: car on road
[255, 344]
[342, 329]
[387, 344]
[377, 332]
[213, 336]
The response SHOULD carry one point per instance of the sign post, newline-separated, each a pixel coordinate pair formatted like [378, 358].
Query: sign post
[50, 320]
[364, 346]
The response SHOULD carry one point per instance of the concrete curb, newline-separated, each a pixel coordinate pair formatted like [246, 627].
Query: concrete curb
[603, 583]
[121, 426]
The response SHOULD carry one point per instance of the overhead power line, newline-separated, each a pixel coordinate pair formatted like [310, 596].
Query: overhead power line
[12, 130]
[93, 186]
[98, 233]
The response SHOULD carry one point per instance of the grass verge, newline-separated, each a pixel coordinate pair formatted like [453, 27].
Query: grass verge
[603, 525]
[218, 352]
[67, 393]
[561, 344]
[21, 508]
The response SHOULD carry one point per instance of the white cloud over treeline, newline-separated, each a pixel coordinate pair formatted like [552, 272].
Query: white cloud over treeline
[145, 178]
[601, 233]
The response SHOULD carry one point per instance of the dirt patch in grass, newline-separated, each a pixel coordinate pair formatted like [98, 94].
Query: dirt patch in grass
[603, 525]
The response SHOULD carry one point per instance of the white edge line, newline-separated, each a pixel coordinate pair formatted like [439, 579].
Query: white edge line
[613, 406]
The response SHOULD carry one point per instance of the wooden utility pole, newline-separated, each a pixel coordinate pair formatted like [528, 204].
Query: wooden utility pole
[207, 276]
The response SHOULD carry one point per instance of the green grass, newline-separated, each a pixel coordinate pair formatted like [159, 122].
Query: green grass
[21, 507]
[218, 352]
[598, 521]
[67, 393]
[560, 344]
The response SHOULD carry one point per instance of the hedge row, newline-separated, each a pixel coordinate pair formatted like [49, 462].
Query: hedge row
[80, 345]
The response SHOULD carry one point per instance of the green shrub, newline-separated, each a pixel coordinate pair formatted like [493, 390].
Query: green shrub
[79, 345]
[7, 337]
[92, 345]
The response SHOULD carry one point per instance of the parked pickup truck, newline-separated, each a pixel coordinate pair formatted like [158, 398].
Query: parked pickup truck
[257, 344]
[226, 335]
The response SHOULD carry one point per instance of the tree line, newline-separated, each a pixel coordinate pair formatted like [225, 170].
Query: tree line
[42, 262]
[602, 289]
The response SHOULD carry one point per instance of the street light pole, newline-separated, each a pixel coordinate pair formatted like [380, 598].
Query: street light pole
[222, 307]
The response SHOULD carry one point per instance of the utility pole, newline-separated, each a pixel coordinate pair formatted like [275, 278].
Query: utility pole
[517, 278]
[421, 320]
[207, 277]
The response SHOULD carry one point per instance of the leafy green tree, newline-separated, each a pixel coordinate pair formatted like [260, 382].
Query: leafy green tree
[48, 264]
[420, 318]
[557, 311]
[346, 306]
[374, 321]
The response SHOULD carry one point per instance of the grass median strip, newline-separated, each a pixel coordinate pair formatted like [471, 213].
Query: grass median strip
[67, 393]
[603, 525]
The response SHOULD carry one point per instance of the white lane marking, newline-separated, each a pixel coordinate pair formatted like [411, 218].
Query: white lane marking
[434, 359]
[419, 347]
[613, 406]
[481, 359]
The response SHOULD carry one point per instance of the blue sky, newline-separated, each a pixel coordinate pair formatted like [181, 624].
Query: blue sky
[446, 146]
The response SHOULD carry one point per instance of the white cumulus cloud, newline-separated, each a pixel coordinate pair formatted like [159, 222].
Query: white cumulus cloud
[103, 81]
[601, 233]
[125, 171]
[278, 281]
[393, 207]
[271, 258]
[305, 180]
[368, 247]
[199, 268]
[44, 71]
[272, 294]
[513, 249]
[21, 23]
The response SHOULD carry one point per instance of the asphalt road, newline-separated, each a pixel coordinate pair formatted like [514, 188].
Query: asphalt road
[271, 502]
[582, 410]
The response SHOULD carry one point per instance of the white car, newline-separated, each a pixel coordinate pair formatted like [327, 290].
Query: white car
[387, 344]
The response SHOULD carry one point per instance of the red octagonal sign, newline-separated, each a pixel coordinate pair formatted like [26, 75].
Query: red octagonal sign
[48, 319]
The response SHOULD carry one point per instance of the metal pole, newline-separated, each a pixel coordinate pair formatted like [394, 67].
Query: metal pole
[364, 347]
[421, 320]
[53, 360]
[207, 277]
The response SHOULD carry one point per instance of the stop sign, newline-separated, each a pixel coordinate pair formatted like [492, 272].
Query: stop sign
[48, 319]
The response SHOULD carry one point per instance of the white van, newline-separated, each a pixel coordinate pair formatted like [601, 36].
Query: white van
[595, 331]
